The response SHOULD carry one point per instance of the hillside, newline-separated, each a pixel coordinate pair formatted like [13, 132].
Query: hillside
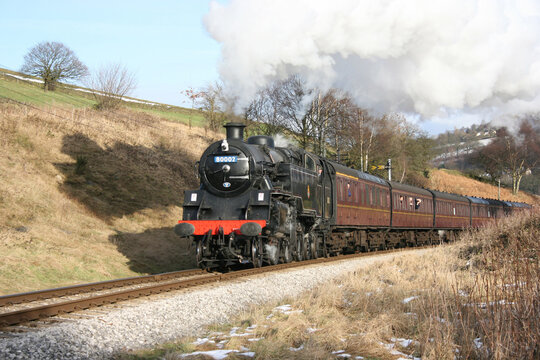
[87, 195]
[454, 182]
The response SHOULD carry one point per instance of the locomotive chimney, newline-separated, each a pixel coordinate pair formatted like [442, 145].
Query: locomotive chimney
[235, 131]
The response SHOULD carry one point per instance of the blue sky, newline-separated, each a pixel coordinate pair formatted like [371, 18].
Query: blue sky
[163, 42]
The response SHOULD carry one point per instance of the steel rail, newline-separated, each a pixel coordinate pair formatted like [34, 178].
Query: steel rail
[96, 286]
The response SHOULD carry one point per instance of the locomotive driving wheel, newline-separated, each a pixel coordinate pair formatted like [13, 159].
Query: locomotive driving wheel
[256, 252]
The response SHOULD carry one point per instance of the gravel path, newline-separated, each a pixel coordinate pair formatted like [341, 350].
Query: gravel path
[158, 320]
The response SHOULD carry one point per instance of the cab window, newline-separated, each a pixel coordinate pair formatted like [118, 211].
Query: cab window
[310, 163]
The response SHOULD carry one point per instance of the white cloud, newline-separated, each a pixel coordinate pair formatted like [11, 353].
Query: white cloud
[427, 57]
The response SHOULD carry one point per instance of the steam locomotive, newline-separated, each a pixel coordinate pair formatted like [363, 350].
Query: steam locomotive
[259, 203]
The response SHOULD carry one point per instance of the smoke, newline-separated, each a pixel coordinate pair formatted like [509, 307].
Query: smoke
[282, 141]
[426, 57]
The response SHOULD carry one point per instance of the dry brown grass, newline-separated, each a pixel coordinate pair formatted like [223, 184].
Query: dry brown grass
[476, 299]
[88, 195]
[443, 180]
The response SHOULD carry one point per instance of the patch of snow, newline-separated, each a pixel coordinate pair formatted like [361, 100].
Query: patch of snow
[478, 343]
[311, 330]
[441, 320]
[403, 342]
[24, 78]
[301, 347]
[222, 343]
[283, 308]
[338, 352]
[200, 341]
[409, 299]
[233, 333]
[393, 351]
[215, 354]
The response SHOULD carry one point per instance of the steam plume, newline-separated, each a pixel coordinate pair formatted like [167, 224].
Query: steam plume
[422, 56]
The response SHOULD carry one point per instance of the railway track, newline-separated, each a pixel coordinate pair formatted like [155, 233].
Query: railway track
[26, 307]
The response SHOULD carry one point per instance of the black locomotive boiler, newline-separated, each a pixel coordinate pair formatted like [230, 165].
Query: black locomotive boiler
[259, 203]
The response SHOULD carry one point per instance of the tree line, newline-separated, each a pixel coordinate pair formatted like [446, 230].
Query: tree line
[512, 155]
[327, 123]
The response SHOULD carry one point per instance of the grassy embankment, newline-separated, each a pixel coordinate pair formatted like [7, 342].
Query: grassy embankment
[88, 195]
[476, 299]
[72, 96]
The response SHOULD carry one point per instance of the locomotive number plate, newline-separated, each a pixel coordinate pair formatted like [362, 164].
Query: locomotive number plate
[225, 159]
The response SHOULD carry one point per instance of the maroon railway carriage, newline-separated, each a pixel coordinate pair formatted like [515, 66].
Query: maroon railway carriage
[451, 211]
[495, 208]
[362, 199]
[412, 207]
[480, 212]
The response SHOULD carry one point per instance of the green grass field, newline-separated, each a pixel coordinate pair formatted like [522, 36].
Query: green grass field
[68, 96]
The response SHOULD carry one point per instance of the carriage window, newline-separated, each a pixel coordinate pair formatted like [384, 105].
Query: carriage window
[417, 203]
[310, 163]
[366, 193]
[401, 200]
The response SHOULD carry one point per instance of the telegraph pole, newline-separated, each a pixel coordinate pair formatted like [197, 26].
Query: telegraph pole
[389, 166]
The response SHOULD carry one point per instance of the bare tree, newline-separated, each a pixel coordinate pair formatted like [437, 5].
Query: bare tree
[512, 154]
[110, 84]
[213, 105]
[193, 95]
[294, 110]
[327, 114]
[53, 61]
[266, 108]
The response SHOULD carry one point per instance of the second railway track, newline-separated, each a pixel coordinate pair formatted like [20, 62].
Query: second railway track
[22, 308]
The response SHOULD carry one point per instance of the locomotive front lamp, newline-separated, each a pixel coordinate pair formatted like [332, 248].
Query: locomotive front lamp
[184, 229]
